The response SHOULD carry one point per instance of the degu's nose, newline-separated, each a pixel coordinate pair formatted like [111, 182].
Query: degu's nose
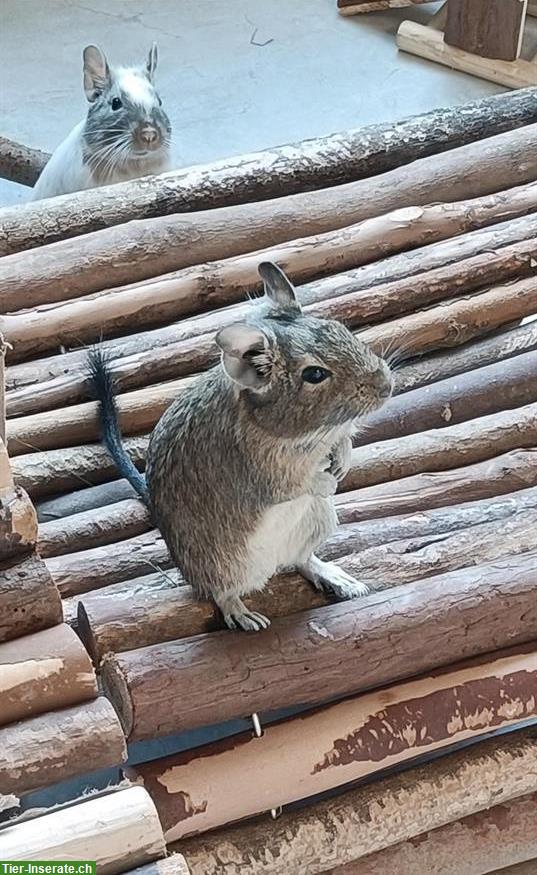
[148, 136]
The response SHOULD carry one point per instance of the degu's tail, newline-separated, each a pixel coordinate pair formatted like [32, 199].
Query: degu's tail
[103, 390]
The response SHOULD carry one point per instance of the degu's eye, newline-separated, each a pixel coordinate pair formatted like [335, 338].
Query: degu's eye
[315, 374]
[116, 103]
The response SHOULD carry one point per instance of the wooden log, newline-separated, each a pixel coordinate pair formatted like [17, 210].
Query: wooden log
[60, 470]
[38, 329]
[6, 479]
[29, 599]
[207, 787]
[51, 748]
[355, 7]
[278, 171]
[20, 163]
[18, 523]
[175, 864]
[93, 528]
[398, 267]
[528, 868]
[334, 650]
[370, 818]
[506, 833]
[499, 476]
[445, 326]
[482, 392]
[477, 354]
[192, 348]
[42, 672]
[488, 28]
[119, 831]
[442, 449]
[149, 611]
[88, 498]
[426, 42]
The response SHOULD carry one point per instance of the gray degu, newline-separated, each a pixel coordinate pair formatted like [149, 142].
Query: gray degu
[125, 134]
[242, 467]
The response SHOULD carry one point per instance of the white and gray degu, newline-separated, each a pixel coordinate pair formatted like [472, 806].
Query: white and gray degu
[125, 134]
[242, 467]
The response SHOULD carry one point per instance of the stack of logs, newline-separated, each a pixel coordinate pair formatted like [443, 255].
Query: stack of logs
[422, 238]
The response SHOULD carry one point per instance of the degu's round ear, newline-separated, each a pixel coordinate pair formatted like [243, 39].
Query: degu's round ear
[151, 63]
[245, 354]
[278, 287]
[96, 72]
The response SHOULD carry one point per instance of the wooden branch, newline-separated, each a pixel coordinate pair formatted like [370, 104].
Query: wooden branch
[18, 523]
[39, 329]
[29, 599]
[119, 831]
[452, 616]
[478, 354]
[56, 746]
[528, 868]
[6, 479]
[100, 566]
[488, 28]
[504, 474]
[303, 166]
[506, 833]
[500, 386]
[60, 470]
[338, 744]
[355, 7]
[43, 672]
[93, 528]
[399, 267]
[20, 163]
[442, 449]
[370, 818]
[426, 42]
[86, 499]
[447, 325]
[154, 609]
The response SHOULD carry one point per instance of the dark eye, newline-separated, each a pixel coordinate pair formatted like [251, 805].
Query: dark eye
[314, 374]
[116, 103]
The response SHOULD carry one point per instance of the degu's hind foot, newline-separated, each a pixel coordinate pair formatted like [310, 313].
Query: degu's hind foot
[237, 616]
[331, 578]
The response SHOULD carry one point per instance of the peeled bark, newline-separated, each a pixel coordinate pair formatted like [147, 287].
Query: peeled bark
[506, 833]
[87, 319]
[367, 819]
[452, 616]
[156, 608]
[119, 830]
[20, 163]
[56, 746]
[193, 348]
[29, 599]
[398, 267]
[302, 166]
[448, 325]
[18, 523]
[43, 672]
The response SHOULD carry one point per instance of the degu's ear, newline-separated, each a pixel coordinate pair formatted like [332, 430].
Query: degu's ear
[278, 287]
[96, 72]
[245, 354]
[151, 63]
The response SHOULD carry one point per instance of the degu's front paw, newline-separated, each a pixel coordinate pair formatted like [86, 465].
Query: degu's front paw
[248, 621]
[340, 459]
[331, 578]
[324, 484]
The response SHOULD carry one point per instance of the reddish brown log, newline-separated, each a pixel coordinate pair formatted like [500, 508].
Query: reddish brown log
[419, 182]
[88, 319]
[500, 386]
[338, 744]
[42, 672]
[193, 348]
[488, 28]
[370, 818]
[144, 611]
[56, 746]
[499, 476]
[29, 599]
[396, 268]
[503, 834]
[445, 326]
[333, 651]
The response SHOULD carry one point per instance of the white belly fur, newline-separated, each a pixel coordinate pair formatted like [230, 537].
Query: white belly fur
[286, 536]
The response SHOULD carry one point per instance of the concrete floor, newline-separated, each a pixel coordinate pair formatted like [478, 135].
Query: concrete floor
[234, 75]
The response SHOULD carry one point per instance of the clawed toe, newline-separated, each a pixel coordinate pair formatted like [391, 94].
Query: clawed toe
[248, 621]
